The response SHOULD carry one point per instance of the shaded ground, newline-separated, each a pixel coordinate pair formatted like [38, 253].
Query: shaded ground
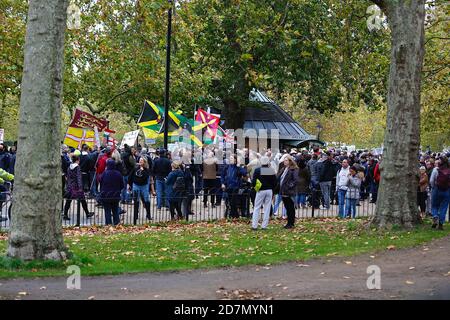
[422, 272]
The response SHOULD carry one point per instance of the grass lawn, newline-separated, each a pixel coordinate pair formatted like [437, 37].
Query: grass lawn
[107, 250]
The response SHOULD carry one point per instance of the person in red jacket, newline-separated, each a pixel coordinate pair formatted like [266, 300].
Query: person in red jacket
[376, 182]
[101, 163]
[100, 167]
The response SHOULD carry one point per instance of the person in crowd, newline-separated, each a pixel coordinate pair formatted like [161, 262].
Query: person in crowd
[111, 185]
[440, 194]
[209, 174]
[85, 167]
[65, 163]
[279, 198]
[336, 167]
[176, 190]
[325, 177]
[342, 186]
[12, 160]
[253, 164]
[4, 157]
[189, 170]
[422, 191]
[304, 180]
[266, 178]
[288, 181]
[353, 191]
[129, 162]
[231, 182]
[74, 188]
[100, 168]
[160, 170]
[139, 184]
[314, 167]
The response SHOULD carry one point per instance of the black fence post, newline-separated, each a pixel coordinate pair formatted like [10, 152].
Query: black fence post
[313, 200]
[78, 213]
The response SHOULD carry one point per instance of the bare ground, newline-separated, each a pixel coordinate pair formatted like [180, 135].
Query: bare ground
[417, 273]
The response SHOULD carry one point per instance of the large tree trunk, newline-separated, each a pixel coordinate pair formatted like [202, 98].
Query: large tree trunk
[36, 231]
[234, 114]
[398, 187]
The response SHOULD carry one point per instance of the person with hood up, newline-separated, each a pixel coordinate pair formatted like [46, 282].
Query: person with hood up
[176, 189]
[111, 185]
[74, 188]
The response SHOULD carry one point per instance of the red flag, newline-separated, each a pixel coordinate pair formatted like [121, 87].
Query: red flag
[83, 119]
[211, 120]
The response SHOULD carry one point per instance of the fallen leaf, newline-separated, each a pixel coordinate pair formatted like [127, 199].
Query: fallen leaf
[373, 257]
[156, 296]
[285, 288]
[345, 277]
[409, 282]
[348, 262]
[412, 268]
[302, 265]
[22, 293]
[43, 288]
[391, 247]
[91, 298]
[278, 285]
[322, 273]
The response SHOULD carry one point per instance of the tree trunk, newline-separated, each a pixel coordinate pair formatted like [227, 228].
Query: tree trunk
[36, 231]
[397, 198]
[234, 114]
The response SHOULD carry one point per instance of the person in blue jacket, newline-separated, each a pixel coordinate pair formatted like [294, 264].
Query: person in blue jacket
[175, 190]
[231, 180]
[111, 185]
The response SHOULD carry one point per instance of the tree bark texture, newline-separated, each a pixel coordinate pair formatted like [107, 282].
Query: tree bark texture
[234, 114]
[36, 231]
[397, 204]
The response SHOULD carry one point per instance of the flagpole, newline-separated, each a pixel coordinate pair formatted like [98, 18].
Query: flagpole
[166, 99]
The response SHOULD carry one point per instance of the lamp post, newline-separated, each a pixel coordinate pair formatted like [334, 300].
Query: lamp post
[167, 88]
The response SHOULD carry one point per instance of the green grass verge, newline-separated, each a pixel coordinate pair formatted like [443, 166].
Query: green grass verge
[102, 251]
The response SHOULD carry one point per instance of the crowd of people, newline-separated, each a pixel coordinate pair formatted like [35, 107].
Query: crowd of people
[246, 181]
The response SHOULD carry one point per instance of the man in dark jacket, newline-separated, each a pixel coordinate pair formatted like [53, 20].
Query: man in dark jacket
[85, 167]
[231, 182]
[111, 184]
[129, 162]
[12, 162]
[268, 181]
[65, 163]
[160, 170]
[4, 157]
[327, 175]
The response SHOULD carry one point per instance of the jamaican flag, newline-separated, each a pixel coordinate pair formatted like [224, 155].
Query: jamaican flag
[152, 123]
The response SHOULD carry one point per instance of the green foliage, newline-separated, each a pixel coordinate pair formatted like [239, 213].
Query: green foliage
[309, 55]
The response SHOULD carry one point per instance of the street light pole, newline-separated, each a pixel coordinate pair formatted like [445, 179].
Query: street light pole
[167, 89]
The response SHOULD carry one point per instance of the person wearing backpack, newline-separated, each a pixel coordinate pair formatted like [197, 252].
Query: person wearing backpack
[440, 194]
[175, 190]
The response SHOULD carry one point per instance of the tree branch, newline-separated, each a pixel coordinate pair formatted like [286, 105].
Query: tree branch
[440, 38]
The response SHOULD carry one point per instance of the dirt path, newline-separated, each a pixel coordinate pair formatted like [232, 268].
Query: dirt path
[421, 272]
